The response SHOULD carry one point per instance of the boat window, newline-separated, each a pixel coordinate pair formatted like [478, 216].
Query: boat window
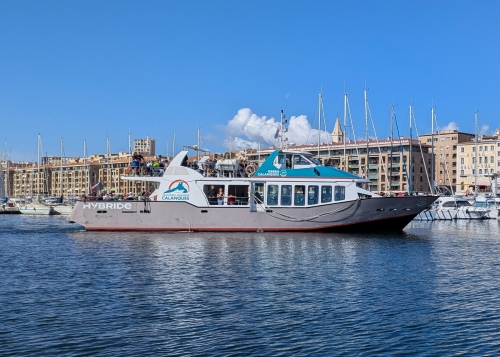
[326, 194]
[281, 161]
[339, 193]
[300, 160]
[211, 192]
[259, 192]
[237, 194]
[312, 195]
[285, 195]
[272, 195]
[298, 199]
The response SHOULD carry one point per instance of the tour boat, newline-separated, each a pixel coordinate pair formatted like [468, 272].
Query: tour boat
[289, 191]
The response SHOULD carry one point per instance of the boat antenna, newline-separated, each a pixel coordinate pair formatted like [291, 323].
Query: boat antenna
[282, 131]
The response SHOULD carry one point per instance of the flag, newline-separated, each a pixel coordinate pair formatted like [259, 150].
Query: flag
[97, 187]
[277, 133]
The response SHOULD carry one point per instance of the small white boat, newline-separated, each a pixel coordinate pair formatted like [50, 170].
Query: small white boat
[9, 207]
[448, 208]
[34, 209]
[489, 203]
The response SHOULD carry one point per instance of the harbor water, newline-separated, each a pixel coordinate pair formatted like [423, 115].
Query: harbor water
[431, 290]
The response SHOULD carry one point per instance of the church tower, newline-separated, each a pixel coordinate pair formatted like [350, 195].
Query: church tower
[337, 135]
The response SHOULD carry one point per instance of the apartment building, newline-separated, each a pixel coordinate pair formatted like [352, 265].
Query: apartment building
[145, 146]
[73, 178]
[444, 146]
[478, 163]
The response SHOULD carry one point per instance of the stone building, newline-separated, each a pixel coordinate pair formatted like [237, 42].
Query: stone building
[478, 163]
[444, 145]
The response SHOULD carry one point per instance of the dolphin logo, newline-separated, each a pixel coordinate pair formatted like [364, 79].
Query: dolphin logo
[179, 188]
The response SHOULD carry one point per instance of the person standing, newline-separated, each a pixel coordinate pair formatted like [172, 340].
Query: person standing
[220, 197]
[212, 193]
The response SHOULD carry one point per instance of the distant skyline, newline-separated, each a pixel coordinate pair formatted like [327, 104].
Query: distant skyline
[93, 70]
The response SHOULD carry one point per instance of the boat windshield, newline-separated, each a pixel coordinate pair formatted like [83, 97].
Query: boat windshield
[457, 204]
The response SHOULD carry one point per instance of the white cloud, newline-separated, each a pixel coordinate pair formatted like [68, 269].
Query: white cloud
[247, 130]
[484, 130]
[450, 126]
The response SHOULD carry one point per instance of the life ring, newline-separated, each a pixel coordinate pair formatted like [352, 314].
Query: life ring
[250, 170]
[127, 170]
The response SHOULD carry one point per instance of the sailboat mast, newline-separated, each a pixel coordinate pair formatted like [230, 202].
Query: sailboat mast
[432, 150]
[475, 151]
[198, 147]
[320, 99]
[410, 188]
[367, 136]
[390, 155]
[129, 149]
[38, 167]
[61, 169]
[345, 132]
[87, 168]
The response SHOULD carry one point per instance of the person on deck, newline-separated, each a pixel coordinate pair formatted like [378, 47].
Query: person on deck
[220, 197]
[212, 193]
[137, 159]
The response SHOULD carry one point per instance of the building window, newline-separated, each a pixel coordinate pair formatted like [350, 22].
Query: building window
[485, 148]
[492, 159]
[462, 160]
[461, 149]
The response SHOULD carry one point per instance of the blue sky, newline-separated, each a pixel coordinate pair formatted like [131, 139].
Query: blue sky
[92, 70]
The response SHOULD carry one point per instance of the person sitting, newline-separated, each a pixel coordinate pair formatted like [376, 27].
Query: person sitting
[220, 197]
[231, 199]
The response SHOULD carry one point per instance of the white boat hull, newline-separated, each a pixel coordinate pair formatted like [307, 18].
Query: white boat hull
[63, 210]
[381, 213]
[36, 211]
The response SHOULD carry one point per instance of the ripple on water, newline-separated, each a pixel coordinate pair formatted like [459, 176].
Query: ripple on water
[430, 289]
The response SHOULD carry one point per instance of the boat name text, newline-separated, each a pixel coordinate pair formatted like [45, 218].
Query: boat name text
[269, 173]
[107, 205]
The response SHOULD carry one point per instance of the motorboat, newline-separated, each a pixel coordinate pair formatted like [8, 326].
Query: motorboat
[490, 203]
[451, 207]
[289, 191]
[9, 207]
